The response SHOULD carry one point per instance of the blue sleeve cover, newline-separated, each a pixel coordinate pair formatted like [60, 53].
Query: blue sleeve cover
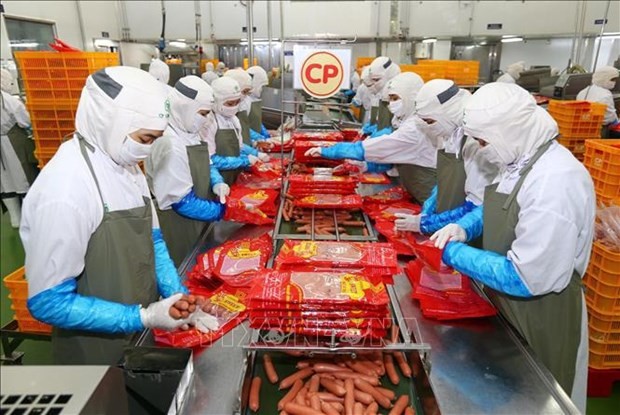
[430, 205]
[354, 151]
[264, 132]
[368, 128]
[349, 92]
[489, 268]
[377, 167]
[432, 223]
[254, 136]
[216, 177]
[230, 163]
[168, 280]
[193, 207]
[63, 307]
[385, 131]
[248, 150]
[472, 222]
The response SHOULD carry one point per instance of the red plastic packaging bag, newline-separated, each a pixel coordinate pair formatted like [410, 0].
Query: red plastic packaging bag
[388, 211]
[428, 253]
[374, 178]
[270, 170]
[401, 243]
[317, 136]
[250, 181]
[327, 201]
[391, 195]
[253, 206]
[300, 148]
[239, 261]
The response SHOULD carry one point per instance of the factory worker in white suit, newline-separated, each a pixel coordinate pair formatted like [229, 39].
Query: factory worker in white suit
[209, 74]
[537, 224]
[258, 132]
[409, 148]
[18, 166]
[160, 71]
[380, 72]
[189, 191]
[96, 262]
[603, 81]
[513, 73]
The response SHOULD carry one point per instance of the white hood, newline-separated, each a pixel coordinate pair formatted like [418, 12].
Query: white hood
[6, 80]
[506, 116]
[190, 95]
[225, 89]
[406, 85]
[118, 101]
[381, 71]
[603, 77]
[259, 80]
[515, 69]
[160, 71]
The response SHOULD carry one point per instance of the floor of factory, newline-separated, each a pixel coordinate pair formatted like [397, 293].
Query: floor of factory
[37, 352]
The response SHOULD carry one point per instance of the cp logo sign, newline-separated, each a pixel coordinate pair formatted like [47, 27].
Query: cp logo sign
[322, 74]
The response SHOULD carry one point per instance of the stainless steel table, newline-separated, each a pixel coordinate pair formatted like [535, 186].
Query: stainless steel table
[477, 367]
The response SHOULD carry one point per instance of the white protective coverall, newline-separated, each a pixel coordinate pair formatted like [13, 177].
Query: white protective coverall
[513, 73]
[603, 81]
[209, 74]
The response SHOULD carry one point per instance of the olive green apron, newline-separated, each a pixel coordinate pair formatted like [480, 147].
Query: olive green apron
[227, 145]
[417, 180]
[244, 120]
[256, 116]
[181, 233]
[362, 114]
[374, 111]
[550, 323]
[450, 179]
[119, 267]
[24, 149]
[384, 116]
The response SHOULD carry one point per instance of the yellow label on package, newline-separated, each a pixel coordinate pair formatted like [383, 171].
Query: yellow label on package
[306, 249]
[352, 286]
[229, 302]
[259, 195]
[242, 252]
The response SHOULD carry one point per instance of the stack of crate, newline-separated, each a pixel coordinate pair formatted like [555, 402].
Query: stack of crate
[602, 159]
[461, 72]
[18, 296]
[579, 121]
[53, 83]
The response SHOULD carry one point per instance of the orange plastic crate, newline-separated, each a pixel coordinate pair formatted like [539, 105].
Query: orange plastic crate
[16, 283]
[604, 361]
[600, 281]
[604, 336]
[576, 145]
[18, 289]
[602, 302]
[602, 159]
[603, 322]
[32, 325]
[607, 261]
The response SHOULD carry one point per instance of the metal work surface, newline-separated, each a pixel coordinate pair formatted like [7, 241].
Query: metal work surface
[477, 367]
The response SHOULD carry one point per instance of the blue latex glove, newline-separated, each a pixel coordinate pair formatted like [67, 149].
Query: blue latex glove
[339, 151]
[356, 102]
[348, 92]
[385, 131]
[256, 137]
[489, 268]
[63, 307]
[472, 223]
[230, 163]
[264, 132]
[193, 207]
[168, 280]
[431, 223]
[430, 205]
[377, 167]
[368, 128]
[216, 177]
[247, 150]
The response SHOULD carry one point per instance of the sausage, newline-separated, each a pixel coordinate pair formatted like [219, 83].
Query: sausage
[328, 409]
[329, 397]
[352, 375]
[372, 409]
[400, 405]
[349, 398]
[270, 371]
[290, 394]
[290, 380]
[314, 383]
[390, 370]
[394, 334]
[368, 388]
[363, 397]
[333, 387]
[409, 411]
[388, 393]
[315, 402]
[295, 409]
[337, 406]
[255, 394]
[402, 364]
[361, 368]
[328, 367]
[302, 364]
[301, 396]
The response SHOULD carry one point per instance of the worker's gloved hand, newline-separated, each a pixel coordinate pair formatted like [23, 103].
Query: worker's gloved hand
[203, 321]
[348, 92]
[368, 128]
[313, 152]
[385, 131]
[362, 165]
[157, 314]
[449, 233]
[253, 159]
[263, 157]
[405, 222]
[222, 190]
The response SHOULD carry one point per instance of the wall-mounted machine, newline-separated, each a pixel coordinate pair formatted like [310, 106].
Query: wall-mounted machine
[567, 86]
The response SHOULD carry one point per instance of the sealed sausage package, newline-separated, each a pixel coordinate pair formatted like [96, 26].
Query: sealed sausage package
[399, 240]
[227, 304]
[327, 201]
[239, 261]
[391, 195]
[251, 181]
[300, 147]
[317, 136]
[307, 184]
[374, 178]
[270, 170]
[201, 275]
[388, 211]
[245, 205]
[428, 253]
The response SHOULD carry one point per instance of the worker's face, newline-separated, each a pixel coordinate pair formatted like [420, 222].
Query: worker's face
[429, 121]
[247, 91]
[232, 103]
[204, 113]
[145, 136]
[393, 97]
[480, 141]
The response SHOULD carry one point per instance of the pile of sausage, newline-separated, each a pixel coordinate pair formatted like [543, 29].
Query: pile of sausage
[323, 219]
[338, 385]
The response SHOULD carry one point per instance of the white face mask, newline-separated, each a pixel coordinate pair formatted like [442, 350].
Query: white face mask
[229, 111]
[609, 85]
[377, 86]
[199, 122]
[438, 131]
[132, 152]
[396, 107]
[256, 92]
[490, 154]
